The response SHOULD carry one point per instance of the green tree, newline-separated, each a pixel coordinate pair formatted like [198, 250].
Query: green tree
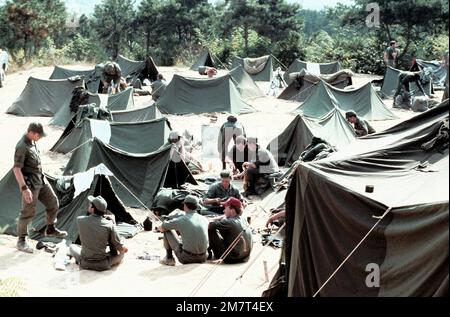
[30, 22]
[147, 17]
[113, 24]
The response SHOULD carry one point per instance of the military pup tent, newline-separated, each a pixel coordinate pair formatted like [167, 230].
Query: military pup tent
[364, 101]
[205, 59]
[145, 69]
[91, 76]
[329, 213]
[71, 205]
[334, 128]
[304, 83]
[121, 101]
[245, 84]
[136, 115]
[133, 137]
[139, 176]
[313, 68]
[260, 69]
[186, 95]
[43, 98]
[390, 83]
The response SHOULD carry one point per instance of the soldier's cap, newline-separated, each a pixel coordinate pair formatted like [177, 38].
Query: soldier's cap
[350, 114]
[98, 203]
[234, 202]
[191, 199]
[225, 174]
[37, 128]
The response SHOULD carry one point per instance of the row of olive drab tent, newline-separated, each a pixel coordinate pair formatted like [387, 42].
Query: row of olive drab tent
[304, 82]
[333, 128]
[44, 97]
[313, 68]
[364, 101]
[138, 176]
[121, 101]
[390, 84]
[398, 229]
[71, 206]
[129, 137]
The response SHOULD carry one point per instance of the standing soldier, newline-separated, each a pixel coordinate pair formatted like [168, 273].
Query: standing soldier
[391, 55]
[28, 172]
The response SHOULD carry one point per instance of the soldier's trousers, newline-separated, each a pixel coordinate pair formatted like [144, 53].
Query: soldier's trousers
[48, 198]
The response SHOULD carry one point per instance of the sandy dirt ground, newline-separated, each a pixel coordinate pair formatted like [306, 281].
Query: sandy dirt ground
[145, 277]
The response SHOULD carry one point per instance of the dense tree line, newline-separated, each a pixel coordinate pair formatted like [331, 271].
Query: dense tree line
[175, 31]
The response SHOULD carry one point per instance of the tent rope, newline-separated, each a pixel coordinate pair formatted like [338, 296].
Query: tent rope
[145, 207]
[87, 141]
[223, 65]
[219, 261]
[354, 249]
[240, 276]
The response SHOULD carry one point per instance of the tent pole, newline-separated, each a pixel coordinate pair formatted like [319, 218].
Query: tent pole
[145, 207]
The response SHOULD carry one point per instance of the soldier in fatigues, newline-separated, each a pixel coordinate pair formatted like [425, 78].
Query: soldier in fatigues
[28, 172]
[361, 126]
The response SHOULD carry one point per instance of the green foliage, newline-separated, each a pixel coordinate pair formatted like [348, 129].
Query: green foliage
[29, 23]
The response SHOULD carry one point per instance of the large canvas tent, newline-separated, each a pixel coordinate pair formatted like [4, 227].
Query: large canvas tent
[90, 76]
[133, 137]
[298, 135]
[70, 207]
[139, 176]
[390, 83]
[121, 101]
[303, 85]
[329, 212]
[145, 69]
[205, 59]
[138, 114]
[438, 71]
[260, 68]
[364, 101]
[192, 95]
[314, 68]
[43, 98]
